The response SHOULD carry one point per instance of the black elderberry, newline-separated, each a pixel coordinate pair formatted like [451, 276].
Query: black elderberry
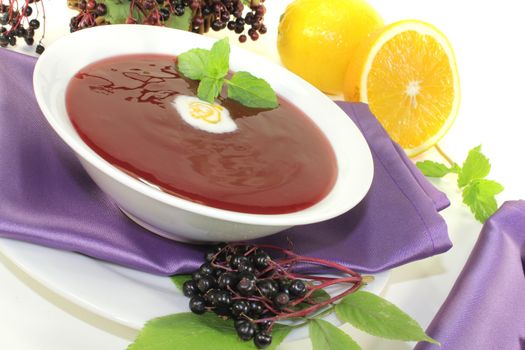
[262, 340]
[297, 288]
[164, 14]
[196, 276]
[189, 288]
[242, 38]
[3, 41]
[227, 279]
[240, 307]
[281, 300]
[223, 298]
[245, 330]
[12, 40]
[197, 305]
[216, 25]
[101, 9]
[34, 23]
[239, 260]
[27, 11]
[256, 308]
[261, 260]
[206, 283]
[206, 269]
[246, 286]
[267, 288]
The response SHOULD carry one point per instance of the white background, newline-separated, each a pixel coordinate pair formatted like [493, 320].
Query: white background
[488, 39]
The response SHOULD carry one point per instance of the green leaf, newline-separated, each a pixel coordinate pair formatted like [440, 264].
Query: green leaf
[179, 280]
[476, 166]
[192, 63]
[180, 22]
[479, 195]
[209, 89]
[326, 336]
[197, 332]
[375, 315]
[251, 91]
[219, 60]
[433, 169]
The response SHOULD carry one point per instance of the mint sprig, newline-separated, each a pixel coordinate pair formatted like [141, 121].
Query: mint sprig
[212, 66]
[479, 194]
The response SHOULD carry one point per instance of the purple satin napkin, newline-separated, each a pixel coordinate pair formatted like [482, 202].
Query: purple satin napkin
[485, 309]
[47, 198]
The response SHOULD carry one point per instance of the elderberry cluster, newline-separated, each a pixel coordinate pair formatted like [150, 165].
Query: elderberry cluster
[241, 282]
[16, 22]
[205, 15]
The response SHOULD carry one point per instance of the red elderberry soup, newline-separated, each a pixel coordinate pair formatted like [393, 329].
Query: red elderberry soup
[140, 115]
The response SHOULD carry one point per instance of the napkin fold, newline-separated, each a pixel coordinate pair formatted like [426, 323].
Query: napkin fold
[47, 198]
[485, 309]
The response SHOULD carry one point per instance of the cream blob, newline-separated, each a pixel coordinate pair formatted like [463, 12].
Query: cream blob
[203, 115]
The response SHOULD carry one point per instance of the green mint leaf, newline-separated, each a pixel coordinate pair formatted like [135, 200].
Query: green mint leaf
[192, 63]
[178, 280]
[209, 89]
[476, 166]
[377, 316]
[197, 332]
[433, 169]
[479, 195]
[251, 91]
[219, 60]
[180, 22]
[326, 336]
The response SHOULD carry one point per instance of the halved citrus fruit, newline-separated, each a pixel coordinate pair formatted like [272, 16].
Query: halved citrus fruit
[407, 74]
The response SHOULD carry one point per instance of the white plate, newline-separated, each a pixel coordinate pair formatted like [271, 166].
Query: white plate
[123, 295]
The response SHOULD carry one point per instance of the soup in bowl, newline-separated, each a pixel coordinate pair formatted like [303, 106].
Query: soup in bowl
[191, 170]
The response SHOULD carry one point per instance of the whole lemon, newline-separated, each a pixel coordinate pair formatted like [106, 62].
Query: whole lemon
[316, 38]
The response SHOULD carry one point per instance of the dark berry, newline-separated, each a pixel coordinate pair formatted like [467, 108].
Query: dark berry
[101, 9]
[3, 41]
[34, 23]
[227, 279]
[20, 32]
[262, 340]
[240, 307]
[12, 40]
[246, 286]
[196, 276]
[263, 29]
[164, 14]
[245, 330]
[206, 10]
[223, 298]
[240, 322]
[28, 11]
[267, 288]
[189, 288]
[82, 5]
[242, 38]
[197, 305]
[231, 25]
[209, 255]
[297, 288]
[206, 270]
[281, 300]
[239, 260]
[256, 308]
[239, 29]
[216, 25]
[206, 283]
[179, 11]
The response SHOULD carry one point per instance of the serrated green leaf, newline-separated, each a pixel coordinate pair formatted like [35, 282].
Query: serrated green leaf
[476, 166]
[180, 22]
[377, 316]
[479, 195]
[326, 336]
[178, 280]
[433, 169]
[197, 332]
[219, 59]
[251, 91]
[209, 89]
[192, 63]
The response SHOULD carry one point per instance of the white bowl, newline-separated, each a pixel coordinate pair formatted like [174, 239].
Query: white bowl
[171, 216]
